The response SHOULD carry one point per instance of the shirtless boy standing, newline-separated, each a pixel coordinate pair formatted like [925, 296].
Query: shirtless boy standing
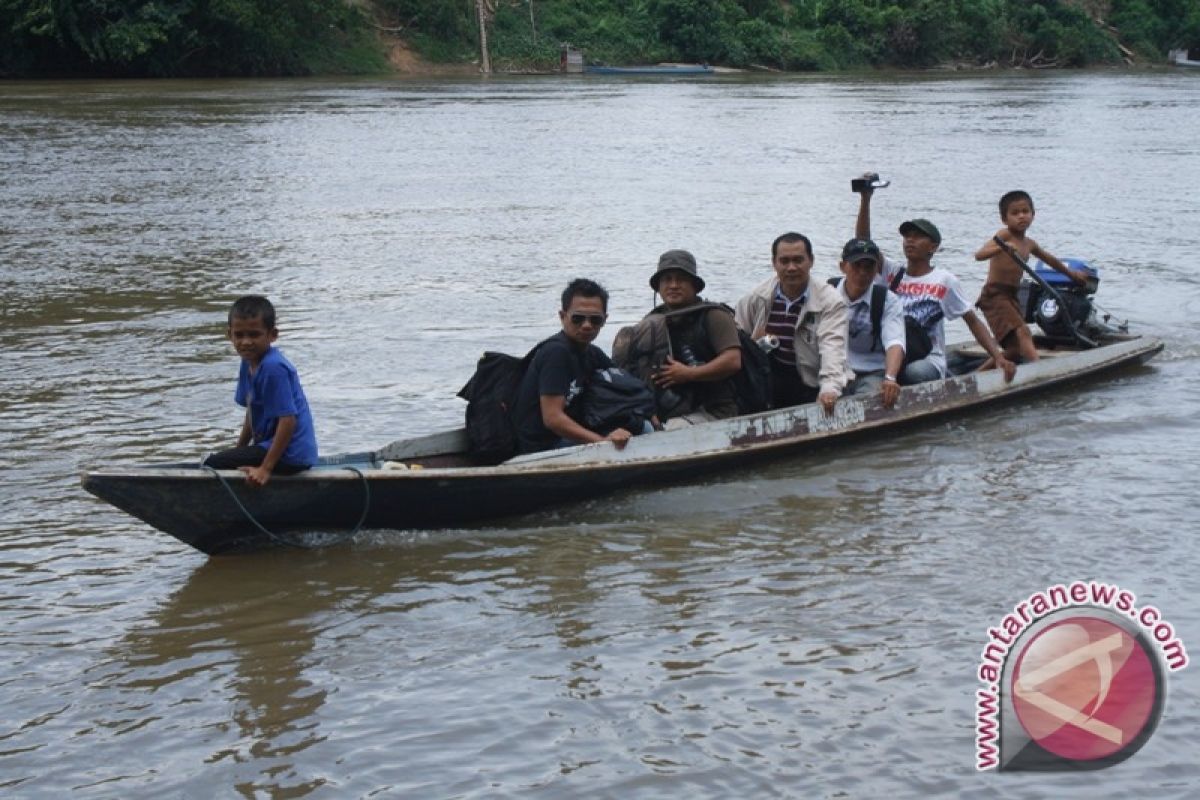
[998, 300]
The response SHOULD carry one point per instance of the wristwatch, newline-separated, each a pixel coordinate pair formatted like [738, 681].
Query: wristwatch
[890, 378]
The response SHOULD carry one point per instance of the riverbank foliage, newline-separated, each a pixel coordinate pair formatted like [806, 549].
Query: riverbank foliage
[298, 37]
[159, 38]
[823, 34]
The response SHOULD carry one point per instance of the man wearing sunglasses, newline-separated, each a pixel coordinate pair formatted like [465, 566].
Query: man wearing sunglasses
[558, 373]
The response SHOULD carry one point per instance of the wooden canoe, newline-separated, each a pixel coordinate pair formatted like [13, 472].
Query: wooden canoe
[430, 482]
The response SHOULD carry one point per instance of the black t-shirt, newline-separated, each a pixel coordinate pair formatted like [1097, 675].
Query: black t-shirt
[560, 369]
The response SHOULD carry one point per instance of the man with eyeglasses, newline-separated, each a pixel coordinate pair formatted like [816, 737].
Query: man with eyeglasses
[809, 320]
[558, 373]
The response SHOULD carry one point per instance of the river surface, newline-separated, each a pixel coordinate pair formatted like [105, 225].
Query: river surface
[806, 628]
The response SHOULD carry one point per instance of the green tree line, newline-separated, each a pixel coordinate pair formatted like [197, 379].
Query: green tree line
[833, 34]
[296, 37]
[158, 38]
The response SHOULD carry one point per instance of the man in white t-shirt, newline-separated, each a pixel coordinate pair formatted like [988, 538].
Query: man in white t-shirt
[930, 295]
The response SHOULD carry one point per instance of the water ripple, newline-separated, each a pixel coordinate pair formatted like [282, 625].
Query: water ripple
[809, 627]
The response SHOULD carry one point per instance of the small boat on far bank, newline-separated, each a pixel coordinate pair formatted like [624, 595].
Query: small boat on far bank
[1184, 58]
[652, 69]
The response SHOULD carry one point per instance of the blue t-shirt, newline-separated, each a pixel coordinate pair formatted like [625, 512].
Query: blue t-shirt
[273, 392]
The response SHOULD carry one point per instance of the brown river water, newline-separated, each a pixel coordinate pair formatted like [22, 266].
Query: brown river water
[805, 628]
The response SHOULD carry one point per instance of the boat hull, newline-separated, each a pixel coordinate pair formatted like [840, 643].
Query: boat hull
[222, 514]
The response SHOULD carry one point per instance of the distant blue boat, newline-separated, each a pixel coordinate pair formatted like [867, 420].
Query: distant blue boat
[653, 69]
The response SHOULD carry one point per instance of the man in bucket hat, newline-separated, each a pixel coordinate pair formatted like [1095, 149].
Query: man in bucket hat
[695, 379]
[930, 294]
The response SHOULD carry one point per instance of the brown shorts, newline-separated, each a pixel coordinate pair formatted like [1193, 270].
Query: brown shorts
[998, 302]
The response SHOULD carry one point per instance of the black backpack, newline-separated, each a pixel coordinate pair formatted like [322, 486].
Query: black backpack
[917, 343]
[751, 383]
[491, 394]
[640, 348]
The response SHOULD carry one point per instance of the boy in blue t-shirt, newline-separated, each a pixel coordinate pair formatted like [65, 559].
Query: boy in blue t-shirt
[277, 434]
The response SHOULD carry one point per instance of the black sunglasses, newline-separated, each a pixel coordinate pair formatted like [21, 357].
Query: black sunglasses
[597, 320]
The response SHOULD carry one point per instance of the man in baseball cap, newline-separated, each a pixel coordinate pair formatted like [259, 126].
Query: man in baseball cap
[930, 295]
[875, 339]
[922, 226]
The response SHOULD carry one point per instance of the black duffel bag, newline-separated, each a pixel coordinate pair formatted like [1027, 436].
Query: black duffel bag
[615, 399]
[917, 343]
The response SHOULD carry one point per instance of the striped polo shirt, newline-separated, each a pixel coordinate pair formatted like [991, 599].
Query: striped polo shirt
[781, 322]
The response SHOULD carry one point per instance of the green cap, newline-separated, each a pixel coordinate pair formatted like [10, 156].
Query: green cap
[922, 226]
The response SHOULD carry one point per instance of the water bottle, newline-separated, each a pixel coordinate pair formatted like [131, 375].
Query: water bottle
[688, 357]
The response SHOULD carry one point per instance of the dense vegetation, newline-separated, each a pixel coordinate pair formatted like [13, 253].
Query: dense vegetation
[825, 34]
[285, 37]
[184, 37]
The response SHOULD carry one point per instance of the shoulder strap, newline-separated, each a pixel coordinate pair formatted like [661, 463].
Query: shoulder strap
[878, 299]
[584, 361]
[528, 357]
[701, 306]
[899, 277]
[587, 364]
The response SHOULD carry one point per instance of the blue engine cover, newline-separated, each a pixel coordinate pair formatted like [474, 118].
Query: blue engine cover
[1057, 279]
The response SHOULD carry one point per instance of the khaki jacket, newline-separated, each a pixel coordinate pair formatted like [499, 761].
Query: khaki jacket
[821, 332]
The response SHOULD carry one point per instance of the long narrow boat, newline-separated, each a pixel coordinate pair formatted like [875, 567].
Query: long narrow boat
[431, 481]
[652, 69]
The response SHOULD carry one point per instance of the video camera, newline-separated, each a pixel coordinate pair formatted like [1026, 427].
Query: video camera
[869, 180]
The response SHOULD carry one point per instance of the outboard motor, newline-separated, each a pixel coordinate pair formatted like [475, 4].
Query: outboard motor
[1051, 316]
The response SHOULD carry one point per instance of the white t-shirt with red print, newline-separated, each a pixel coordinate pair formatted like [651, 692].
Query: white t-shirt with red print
[931, 300]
